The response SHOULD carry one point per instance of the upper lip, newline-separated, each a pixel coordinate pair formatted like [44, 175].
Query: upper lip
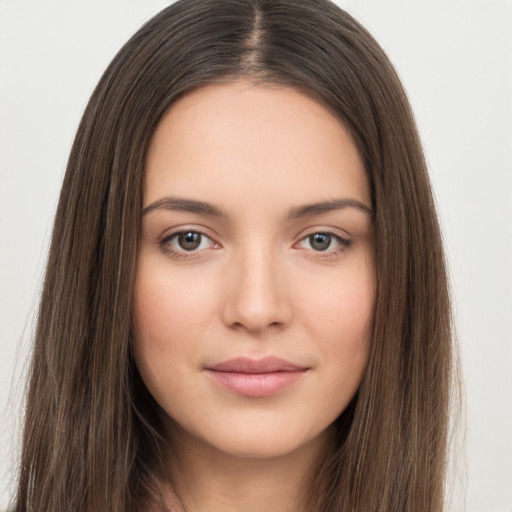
[268, 364]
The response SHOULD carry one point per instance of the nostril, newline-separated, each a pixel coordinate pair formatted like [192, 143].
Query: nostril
[253, 327]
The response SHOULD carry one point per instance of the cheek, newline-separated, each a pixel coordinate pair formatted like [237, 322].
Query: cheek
[169, 306]
[340, 321]
[344, 306]
[169, 314]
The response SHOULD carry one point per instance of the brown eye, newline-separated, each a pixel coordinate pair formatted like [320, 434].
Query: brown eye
[320, 241]
[186, 243]
[189, 241]
[324, 243]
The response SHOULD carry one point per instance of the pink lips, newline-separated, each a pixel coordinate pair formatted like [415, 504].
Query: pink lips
[256, 378]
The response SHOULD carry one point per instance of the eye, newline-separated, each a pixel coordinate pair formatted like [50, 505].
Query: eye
[324, 242]
[320, 241]
[189, 241]
[183, 243]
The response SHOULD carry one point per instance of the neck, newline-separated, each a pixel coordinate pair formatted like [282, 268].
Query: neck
[208, 480]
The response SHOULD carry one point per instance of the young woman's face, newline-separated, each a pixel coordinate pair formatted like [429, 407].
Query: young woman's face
[255, 283]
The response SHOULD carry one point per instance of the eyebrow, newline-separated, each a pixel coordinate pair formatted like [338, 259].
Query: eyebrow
[308, 210]
[203, 208]
[184, 205]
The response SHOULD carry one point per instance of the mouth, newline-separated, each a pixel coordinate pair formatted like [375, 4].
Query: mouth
[256, 378]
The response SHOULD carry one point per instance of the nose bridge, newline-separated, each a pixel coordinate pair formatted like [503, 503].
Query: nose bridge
[256, 294]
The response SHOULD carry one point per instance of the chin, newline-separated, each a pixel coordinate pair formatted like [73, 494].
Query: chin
[264, 440]
[258, 447]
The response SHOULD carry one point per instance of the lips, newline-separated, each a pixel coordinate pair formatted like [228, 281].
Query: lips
[256, 378]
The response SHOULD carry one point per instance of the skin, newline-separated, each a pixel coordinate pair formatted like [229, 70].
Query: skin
[257, 285]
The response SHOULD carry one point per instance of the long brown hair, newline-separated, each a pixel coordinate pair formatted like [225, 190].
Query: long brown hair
[92, 437]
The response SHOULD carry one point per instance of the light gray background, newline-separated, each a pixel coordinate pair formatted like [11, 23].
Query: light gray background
[455, 58]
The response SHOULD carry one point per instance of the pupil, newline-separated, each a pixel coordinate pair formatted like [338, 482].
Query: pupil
[320, 241]
[189, 241]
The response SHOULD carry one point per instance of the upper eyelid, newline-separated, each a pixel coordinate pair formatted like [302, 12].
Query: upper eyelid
[341, 239]
[174, 234]
[178, 253]
[164, 242]
[171, 232]
[303, 234]
[337, 232]
[342, 245]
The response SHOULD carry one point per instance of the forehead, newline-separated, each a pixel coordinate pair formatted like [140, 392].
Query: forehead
[240, 143]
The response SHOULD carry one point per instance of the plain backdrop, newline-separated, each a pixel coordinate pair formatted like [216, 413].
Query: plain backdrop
[455, 59]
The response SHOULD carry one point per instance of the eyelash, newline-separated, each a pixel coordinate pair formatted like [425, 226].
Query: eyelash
[343, 243]
[182, 254]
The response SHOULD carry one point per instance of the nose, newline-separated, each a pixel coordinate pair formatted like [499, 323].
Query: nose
[256, 291]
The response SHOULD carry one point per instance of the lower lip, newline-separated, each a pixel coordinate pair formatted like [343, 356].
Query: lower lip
[256, 385]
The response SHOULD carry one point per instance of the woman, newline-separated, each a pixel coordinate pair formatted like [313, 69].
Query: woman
[245, 304]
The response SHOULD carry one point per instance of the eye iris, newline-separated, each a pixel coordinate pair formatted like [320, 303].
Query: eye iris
[320, 241]
[189, 241]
